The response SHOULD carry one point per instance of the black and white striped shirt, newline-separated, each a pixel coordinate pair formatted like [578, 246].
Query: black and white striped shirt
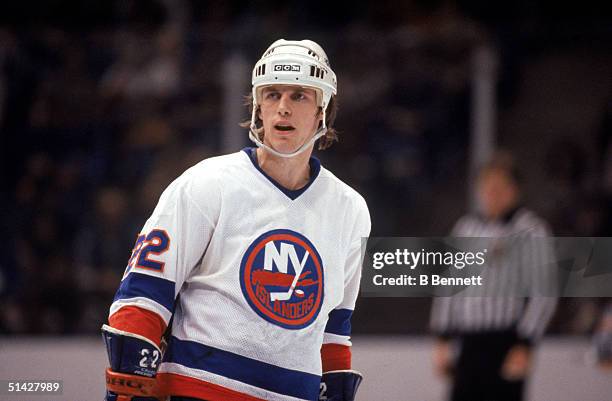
[467, 314]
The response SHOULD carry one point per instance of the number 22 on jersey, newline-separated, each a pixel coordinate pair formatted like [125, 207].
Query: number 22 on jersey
[146, 249]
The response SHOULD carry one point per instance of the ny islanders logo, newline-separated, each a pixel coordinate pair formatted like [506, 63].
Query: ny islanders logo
[281, 276]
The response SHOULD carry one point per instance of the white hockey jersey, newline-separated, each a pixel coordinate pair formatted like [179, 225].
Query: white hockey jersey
[264, 276]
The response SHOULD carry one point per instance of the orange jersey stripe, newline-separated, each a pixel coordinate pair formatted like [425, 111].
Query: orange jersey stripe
[179, 385]
[335, 357]
[139, 321]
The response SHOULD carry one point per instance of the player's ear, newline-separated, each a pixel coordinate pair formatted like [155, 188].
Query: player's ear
[320, 112]
[319, 115]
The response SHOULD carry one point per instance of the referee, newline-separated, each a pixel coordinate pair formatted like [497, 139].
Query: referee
[495, 335]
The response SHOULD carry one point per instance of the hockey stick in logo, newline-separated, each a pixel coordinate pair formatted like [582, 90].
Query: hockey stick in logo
[297, 266]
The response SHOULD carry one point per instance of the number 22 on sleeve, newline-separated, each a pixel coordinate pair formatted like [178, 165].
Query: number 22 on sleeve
[146, 248]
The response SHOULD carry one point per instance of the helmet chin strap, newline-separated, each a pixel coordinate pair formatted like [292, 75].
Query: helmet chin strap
[254, 136]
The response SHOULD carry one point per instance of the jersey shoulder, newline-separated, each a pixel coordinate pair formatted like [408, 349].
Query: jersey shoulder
[467, 225]
[347, 198]
[201, 185]
[216, 166]
[210, 173]
[344, 192]
[530, 223]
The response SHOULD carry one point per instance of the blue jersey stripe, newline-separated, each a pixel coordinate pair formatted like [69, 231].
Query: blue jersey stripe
[339, 322]
[142, 285]
[246, 370]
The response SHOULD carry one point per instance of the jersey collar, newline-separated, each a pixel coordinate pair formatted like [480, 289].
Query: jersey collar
[506, 218]
[315, 168]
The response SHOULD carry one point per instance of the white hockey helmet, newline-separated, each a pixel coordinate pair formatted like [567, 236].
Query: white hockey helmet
[293, 62]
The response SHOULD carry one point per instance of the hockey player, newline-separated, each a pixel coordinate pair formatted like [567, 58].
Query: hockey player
[253, 258]
[602, 339]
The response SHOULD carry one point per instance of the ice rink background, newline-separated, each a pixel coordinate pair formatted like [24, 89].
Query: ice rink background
[103, 103]
[396, 368]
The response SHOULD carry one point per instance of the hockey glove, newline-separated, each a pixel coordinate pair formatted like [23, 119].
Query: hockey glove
[339, 385]
[133, 365]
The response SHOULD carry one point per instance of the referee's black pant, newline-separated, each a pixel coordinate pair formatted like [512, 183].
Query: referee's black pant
[477, 372]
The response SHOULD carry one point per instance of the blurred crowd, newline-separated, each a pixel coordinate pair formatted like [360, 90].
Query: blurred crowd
[96, 120]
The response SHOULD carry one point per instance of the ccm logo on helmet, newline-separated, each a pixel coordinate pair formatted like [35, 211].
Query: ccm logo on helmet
[287, 67]
[281, 277]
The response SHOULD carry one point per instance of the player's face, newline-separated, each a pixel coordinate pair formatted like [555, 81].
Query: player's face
[497, 193]
[290, 116]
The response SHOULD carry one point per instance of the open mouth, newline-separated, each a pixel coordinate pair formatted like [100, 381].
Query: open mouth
[284, 127]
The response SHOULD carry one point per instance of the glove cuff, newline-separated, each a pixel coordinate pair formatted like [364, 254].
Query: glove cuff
[132, 385]
[131, 353]
[340, 385]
